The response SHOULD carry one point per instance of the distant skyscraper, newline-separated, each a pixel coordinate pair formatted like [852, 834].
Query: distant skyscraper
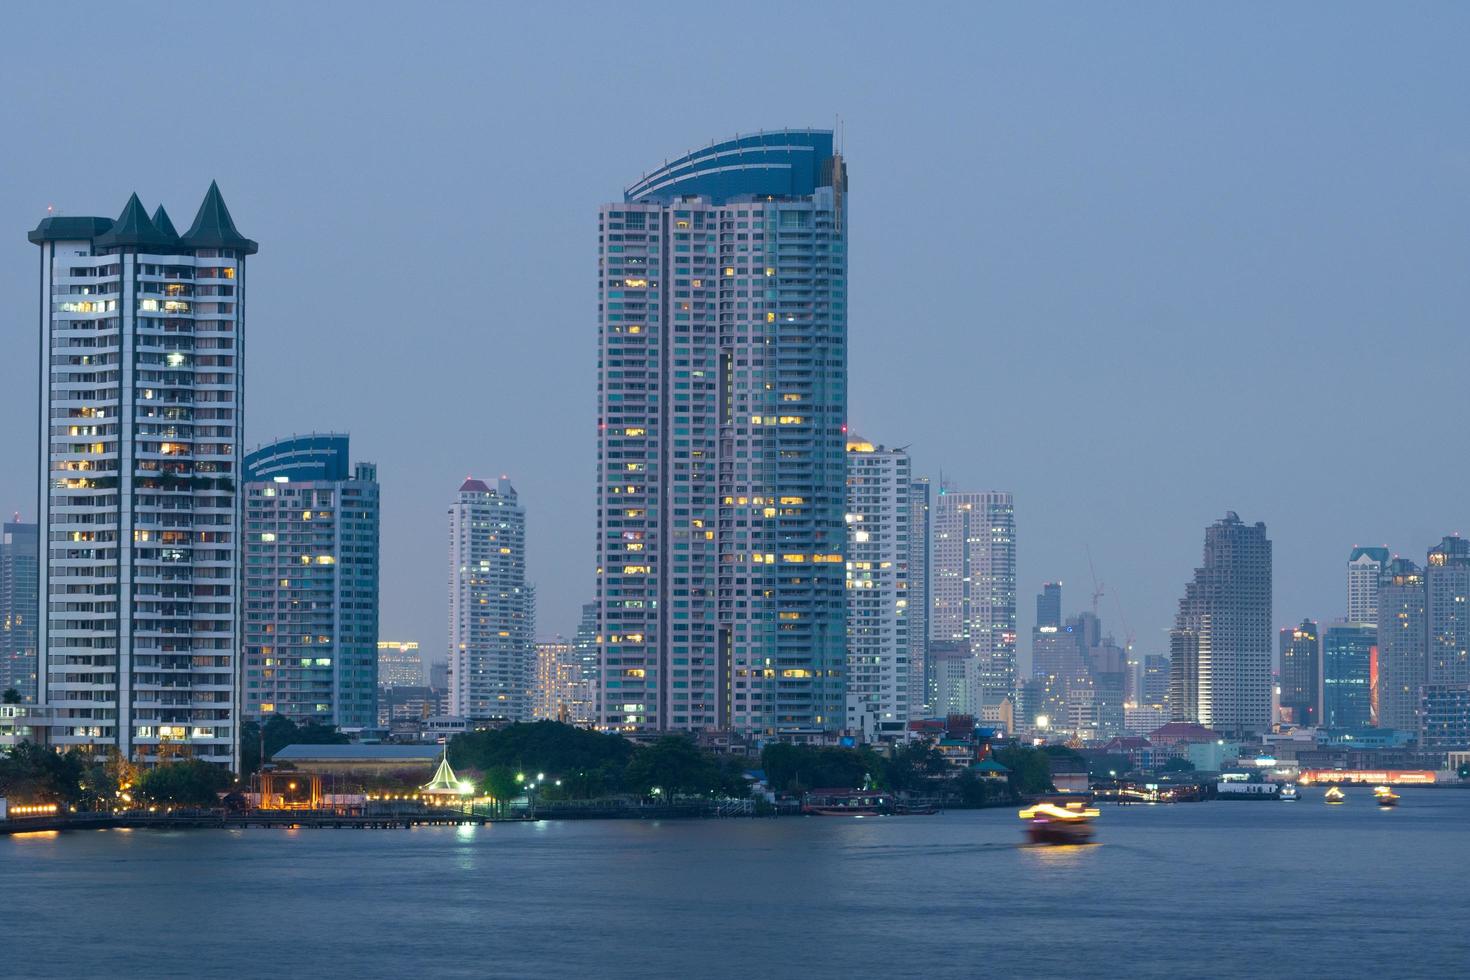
[1402, 638]
[311, 583]
[878, 550]
[1364, 568]
[141, 333]
[585, 647]
[919, 596]
[1049, 605]
[1301, 673]
[973, 581]
[555, 676]
[1447, 606]
[1154, 685]
[492, 610]
[1349, 666]
[1220, 647]
[722, 408]
[399, 664]
[20, 608]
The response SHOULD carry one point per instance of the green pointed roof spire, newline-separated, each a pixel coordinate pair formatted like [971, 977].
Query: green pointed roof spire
[444, 783]
[133, 229]
[214, 228]
[165, 226]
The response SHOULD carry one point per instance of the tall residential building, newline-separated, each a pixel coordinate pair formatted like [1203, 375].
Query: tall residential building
[585, 649]
[1447, 608]
[1220, 647]
[722, 403]
[1153, 685]
[973, 582]
[311, 583]
[878, 550]
[1049, 605]
[399, 664]
[561, 691]
[20, 608]
[141, 335]
[1364, 569]
[1301, 675]
[1403, 634]
[1349, 673]
[918, 607]
[492, 609]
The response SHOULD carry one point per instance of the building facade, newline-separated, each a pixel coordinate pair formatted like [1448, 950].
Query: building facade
[919, 597]
[1220, 647]
[878, 550]
[1364, 569]
[492, 609]
[399, 664]
[1403, 634]
[562, 692]
[311, 583]
[1349, 672]
[1301, 675]
[142, 335]
[973, 583]
[722, 404]
[20, 608]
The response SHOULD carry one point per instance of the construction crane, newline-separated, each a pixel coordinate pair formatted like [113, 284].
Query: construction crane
[1098, 589]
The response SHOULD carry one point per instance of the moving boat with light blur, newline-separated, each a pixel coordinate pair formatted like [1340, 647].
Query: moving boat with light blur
[1334, 795]
[1385, 797]
[1051, 823]
[1289, 793]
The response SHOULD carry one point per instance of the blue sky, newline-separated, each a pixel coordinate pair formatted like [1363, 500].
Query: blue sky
[1139, 265]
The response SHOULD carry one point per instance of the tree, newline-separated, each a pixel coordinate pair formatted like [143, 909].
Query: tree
[674, 765]
[973, 790]
[31, 773]
[796, 768]
[11, 696]
[913, 768]
[187, 783]
[1030, 769]
[279, 732]
[1177, 765]
[500, 784]
[588, 763]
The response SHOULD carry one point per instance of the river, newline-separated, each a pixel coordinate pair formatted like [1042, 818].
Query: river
[1222, 889]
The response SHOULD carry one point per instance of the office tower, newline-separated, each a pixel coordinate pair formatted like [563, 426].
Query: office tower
[878, 549]
[1220, 647]
[1154, 685]
[20, 608]
[973, 581]
[311, 583]
[919, 596]
[1049, 605]
[140, 409]
[1446, 718]
[1403, 633]
[1349, 670]
[956, 675]
[1301, 673]
[399, 664]
[1364, 569]
[586, 651]
[492, 610]
[1447, 606]
[722, 403]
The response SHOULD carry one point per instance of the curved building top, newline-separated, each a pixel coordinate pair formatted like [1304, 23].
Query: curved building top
[784, 163]
[320, 456]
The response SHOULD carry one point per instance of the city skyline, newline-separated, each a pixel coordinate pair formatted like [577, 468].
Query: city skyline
[1143, 547]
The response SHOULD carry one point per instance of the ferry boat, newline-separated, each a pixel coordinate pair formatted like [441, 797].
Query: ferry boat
[1051, 823]
[1385, 797]
[1289, 793]
[846, 803]
[1334, 795]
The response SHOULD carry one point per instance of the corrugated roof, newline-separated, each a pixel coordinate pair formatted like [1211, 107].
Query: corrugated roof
[359, 753]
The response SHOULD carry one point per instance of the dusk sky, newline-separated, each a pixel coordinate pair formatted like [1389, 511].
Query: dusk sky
[1139, 265]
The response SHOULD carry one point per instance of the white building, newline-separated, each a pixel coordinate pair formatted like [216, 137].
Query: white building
[492, 611]
[399, 664]
[140, 405]
[878, 646]
[973, 584]
[1364, 568]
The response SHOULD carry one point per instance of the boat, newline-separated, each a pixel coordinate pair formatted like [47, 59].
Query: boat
[1050, 823]
[846, 803]
[915, 809]
[1385, 797]
[1288, 793]
[1334, 795]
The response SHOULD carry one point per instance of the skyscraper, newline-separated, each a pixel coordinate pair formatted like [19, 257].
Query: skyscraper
[1447, 607]
[20, 608]
[1049, 605]
[1301, 673]
[140, 411]
[1403, 634]
[1220, 647]
[585, 649]
[722, 403]
[973, 581]
[492, 610]
[878, 550]
[311, 583]
[918, 607]
[1364, 569]
[1349, 669]
[399, 664]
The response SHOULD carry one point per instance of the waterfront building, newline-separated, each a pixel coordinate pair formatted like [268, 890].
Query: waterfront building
[399, 664]
[1447, 652]
[1364, 570]
[1446, 722]
[141, 333]
[1220, 647]
[20, 608]
[1349, 666]
[311, 583]
[877, 589]
[492, 609]
[722, 409]
[1301, 673]
[919, 596]
[1403, 635]
[973, 582]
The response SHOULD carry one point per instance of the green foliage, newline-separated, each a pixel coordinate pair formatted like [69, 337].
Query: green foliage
[675, 766]
[1030, 769]
[973, 790]
[500, 784]
[31, 773]
[187, 783]
[1177, 765]
[11, 696]
[279, 732]
[915, 768]
[796, 768]
[588, 763]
